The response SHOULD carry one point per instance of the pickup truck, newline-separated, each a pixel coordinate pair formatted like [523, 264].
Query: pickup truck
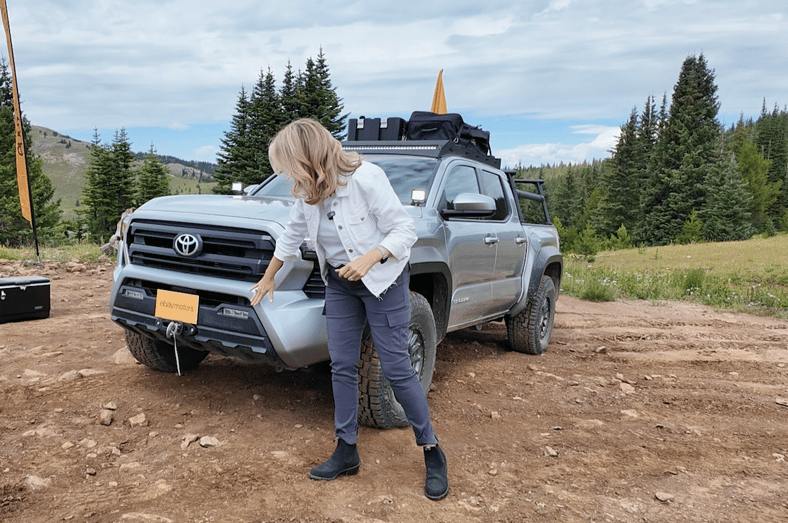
[486, 251]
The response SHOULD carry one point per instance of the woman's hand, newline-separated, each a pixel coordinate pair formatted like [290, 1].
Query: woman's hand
[359, 267]
[266, 284]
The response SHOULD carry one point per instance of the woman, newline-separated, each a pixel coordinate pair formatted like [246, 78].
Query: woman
[363, 237]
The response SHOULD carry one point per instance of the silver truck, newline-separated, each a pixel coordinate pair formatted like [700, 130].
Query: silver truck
[486, 251]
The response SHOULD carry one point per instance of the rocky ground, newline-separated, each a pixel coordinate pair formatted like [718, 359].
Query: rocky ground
[637, 412]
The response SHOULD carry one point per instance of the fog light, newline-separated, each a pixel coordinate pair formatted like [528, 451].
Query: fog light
[235, 313]
[136, 295]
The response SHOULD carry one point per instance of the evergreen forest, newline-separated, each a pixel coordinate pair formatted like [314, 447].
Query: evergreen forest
[675, 175]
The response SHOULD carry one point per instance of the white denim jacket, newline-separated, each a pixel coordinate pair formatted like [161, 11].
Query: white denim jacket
[368, 214]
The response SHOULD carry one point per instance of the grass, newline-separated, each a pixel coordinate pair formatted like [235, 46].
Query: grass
[82, 252]
[749, 276]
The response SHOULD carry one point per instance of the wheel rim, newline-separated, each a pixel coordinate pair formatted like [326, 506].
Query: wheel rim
[544, 316]
[416, 350]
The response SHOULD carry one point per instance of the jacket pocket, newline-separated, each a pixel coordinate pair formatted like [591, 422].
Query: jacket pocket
[362, 224]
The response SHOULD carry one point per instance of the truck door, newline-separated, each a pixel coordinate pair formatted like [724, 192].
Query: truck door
[472, 248]
[510, 257]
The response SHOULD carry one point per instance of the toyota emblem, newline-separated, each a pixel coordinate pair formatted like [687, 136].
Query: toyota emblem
[188, 245]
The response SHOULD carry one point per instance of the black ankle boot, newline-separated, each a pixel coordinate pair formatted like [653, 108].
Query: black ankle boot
[344, 460]
[437, 485]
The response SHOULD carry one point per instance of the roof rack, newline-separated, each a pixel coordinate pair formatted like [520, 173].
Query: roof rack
[428, 148]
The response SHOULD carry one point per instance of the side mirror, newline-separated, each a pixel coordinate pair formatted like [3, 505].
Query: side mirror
[471, 205]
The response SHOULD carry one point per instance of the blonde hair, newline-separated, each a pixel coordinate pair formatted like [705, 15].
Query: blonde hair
[306, 153]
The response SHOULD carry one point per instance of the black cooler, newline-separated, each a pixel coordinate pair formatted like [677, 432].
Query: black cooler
[24, 298]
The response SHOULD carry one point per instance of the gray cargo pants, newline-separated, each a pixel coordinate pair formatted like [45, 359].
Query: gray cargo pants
[349, 305]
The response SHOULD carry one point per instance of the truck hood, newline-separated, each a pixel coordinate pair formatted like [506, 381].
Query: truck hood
[244, 207]
[226, 210]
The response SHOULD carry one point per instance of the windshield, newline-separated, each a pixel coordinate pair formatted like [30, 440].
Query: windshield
[405, 174]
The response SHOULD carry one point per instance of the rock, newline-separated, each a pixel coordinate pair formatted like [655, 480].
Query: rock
[28, 374]
[87, 373]
[782, 401]
[139, 420]
[590, 423]
[91, 472]
[73, 266]
[71, 375]
[67, 445]
[106, 416]
[36, 483]
[88, 443]
[630, 413]
[129, 467]
[495, 415]
[138, 517]
[188, 439]
[123, 357]
[664, 497]
[111, 406]
[626, 388]
[209, 441]
[550, 452]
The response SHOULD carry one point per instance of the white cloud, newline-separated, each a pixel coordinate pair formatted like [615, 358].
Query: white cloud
[604, 138]
[206, 153]
[148, 63]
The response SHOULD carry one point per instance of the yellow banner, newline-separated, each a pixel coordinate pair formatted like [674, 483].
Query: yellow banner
[177, 306]
[21, 161]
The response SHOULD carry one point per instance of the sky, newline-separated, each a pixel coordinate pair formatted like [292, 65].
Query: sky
[552, 80]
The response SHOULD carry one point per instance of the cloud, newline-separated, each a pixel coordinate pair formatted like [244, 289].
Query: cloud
[111, 64]
[206, 153]
[604, 139]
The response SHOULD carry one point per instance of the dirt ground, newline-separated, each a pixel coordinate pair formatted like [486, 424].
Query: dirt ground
[637, 412]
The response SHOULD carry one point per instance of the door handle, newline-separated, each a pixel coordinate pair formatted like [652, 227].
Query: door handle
[490, 240]
[520, 240]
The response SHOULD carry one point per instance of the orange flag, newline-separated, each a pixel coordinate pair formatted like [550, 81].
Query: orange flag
[439, 98]
[21, 161]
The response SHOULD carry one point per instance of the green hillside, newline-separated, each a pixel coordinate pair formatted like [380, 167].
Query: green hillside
[65, 160]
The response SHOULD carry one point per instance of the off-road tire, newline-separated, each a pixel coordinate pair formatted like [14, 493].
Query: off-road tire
[377, 405]
[160, 355]
[529, 331]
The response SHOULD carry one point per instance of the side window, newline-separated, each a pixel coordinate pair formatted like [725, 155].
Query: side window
[460, 179]
[493, 187]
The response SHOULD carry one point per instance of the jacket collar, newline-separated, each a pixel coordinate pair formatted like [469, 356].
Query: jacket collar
[344, 190]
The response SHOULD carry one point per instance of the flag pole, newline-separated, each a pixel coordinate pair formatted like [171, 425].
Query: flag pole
[22, 166]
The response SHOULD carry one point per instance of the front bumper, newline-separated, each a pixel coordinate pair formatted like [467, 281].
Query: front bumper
[289, 332]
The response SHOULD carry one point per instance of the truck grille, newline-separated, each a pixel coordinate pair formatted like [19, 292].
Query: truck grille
[235, 254]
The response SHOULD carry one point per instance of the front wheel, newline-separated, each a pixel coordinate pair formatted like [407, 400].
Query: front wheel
[160, 355]
[377, 405]
[529, 331]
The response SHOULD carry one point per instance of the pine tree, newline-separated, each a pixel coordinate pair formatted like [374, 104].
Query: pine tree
[754, 170]
[123, 180]
[289, 95]
[265, 120]
[621, 188]
[725, 214]
[320, 99]
[152, 180]
[772, 139]
[686, 152]
[236, 155]
[97, 209]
